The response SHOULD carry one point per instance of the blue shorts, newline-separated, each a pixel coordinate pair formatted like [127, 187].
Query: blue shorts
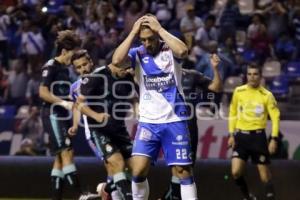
[173, 138]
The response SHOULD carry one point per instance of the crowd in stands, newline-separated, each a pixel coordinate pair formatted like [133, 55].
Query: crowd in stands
[239, 31]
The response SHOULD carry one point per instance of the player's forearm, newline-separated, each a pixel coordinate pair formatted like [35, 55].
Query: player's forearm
[47, 96]
[177, 46]
[76, 117]
[216, 84]
[122, 51]
[86, 110]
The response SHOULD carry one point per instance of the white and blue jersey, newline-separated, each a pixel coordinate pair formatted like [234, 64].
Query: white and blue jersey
[159, 77]
[74, 93]
[163, 113]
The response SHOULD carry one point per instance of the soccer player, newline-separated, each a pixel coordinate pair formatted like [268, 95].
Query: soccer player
[194, 85]
[81, 70]
[105, 96]
[249, 109]
[162, 110]
[54, 91]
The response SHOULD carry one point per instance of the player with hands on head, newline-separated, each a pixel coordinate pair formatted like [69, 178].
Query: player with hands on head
[162, 111]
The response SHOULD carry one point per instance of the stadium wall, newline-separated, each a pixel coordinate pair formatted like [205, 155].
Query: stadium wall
[212, 138]
[28, 177]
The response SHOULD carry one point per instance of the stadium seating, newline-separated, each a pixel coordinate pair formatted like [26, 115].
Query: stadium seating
[293, 70]
[295, 92]
[205, 113]
[231, 83]
[246, 6]
[240, 38]
[271, 69]
[279, 86]
[8, 111]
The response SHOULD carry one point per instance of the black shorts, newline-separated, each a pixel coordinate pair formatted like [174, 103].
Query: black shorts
[253, 144]
[193, 129]
[109, 142]
[58, 131]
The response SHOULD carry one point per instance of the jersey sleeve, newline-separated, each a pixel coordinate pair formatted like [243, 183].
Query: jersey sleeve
[233, 113]
[87, 86]
[274, 114]
[47, 76]
[74, 90]
[132, 54]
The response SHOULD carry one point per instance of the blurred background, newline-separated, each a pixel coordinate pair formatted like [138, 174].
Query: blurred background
[239, 31]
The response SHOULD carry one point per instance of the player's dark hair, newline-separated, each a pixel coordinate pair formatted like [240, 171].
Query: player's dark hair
[143, 27]
[79, 54]
[67, 40]
[255, 66]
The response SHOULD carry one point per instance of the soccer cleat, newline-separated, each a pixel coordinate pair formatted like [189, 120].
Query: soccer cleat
[89, 196]
[102, 193]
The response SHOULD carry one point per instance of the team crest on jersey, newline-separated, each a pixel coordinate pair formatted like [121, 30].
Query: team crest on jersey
[108, 148]
[68, 141]
[145, 134]
[179, 137]
[165, 57]
[45, 73]
[262, 158]
[85, 81]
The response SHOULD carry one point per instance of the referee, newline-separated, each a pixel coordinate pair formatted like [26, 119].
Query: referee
[249, 109]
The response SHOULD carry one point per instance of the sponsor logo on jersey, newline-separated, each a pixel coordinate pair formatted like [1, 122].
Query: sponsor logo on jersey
[180, 140]
[147, 96]
[145, 60]
[259, 110]
[180, 143]
[159, 82]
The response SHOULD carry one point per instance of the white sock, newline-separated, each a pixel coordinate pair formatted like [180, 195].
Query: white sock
[188, 192]
[140, 191]
[115, 195]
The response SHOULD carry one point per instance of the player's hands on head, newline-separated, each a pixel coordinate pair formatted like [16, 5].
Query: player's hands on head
[214, 60]
[101, 117]
[231, 142]
[137, 25]
[152, 22]
[72, 131]
[272, 146]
